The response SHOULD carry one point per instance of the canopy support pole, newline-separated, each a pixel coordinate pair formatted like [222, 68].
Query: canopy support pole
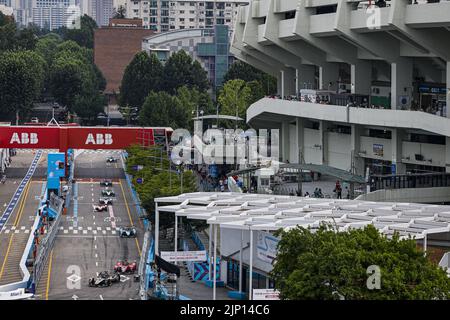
[250, 296]
[240, 262]
[176, 238]
[214, 263]
[210, 250]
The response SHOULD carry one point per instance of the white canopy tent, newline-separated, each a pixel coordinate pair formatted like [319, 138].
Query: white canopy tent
[255, 212]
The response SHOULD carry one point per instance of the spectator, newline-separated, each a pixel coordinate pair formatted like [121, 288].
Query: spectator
[338, 189]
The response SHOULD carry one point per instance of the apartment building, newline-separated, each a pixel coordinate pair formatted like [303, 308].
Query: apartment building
[163, 15]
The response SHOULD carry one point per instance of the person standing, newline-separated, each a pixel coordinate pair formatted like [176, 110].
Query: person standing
[338, 190]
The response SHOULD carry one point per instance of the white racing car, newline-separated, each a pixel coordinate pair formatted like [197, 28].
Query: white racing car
[105, 201]
[108, 193]
[127, 232]
[100, 208]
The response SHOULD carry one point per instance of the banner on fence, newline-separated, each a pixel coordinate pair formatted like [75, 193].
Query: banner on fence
[266, 294]
[173, 256]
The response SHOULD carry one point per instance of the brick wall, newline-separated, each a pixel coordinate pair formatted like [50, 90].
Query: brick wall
[114, 48]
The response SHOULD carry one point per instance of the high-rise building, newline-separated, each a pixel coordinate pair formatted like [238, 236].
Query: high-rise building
[52, 14]
[164, 15]
[102, 11]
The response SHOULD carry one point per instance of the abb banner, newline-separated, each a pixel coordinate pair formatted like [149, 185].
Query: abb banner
[64, 138]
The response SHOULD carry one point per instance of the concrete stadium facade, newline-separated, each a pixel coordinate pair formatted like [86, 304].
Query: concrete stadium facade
[329, 44]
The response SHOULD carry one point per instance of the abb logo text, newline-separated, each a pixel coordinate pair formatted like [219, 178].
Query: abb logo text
[24, 138]
[99, 138]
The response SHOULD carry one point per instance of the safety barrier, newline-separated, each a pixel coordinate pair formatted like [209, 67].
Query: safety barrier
[22, 264]
[47, 242]
[140, 211]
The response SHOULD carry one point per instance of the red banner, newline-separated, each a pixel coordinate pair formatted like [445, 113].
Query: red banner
[64, 138]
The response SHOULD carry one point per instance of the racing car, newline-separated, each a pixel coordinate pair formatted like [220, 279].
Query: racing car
[108, 193]
[100, 208]
[127, 232]
[106, 183]
[104, 279]
[125, 267]
[111, 160]
[105, 201]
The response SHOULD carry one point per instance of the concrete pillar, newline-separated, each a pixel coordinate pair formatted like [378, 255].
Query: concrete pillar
[281, 82]
[285, 145]
[358, 162]
[397, 142]
[300, 133]
[447, 154]
[361, 77]
[401, 83]
[324, 141]
[329, 74]
[447, 108]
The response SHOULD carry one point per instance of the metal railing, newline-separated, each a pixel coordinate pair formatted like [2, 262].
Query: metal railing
[424, 180]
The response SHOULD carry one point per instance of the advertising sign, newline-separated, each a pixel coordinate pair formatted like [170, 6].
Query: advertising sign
[266, 247]
[18, 294]
[64, 138]
[173, 256]
[266, 294]
[378, 150]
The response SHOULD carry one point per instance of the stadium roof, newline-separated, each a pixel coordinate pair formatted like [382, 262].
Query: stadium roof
[268, 212]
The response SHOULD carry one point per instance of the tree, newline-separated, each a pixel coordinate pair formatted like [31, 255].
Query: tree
[66, 80]
[7, 35]
[47, 46]
[26, 39]
[21, 80]
[256, 91]
[120, 12]
[191, 98]
[330, 265]
[84, 35]
[141, 76]
[158, 181]
[163, 110]
[234, 98]
[180, 70]
[244, 71]
[88, 105]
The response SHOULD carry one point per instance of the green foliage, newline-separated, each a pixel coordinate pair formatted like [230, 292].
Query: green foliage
[328, 264]
[21, 80]
[244, 71]
[12, 38]
[180, 70]
[83, 36]
[163, 110]
[191, 98]
[141, 76]
[47, 46]
[235, 96]
[75, 81]
[157, 180]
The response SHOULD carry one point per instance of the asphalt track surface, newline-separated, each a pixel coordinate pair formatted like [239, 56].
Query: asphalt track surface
[88, 243]
[15, 233]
